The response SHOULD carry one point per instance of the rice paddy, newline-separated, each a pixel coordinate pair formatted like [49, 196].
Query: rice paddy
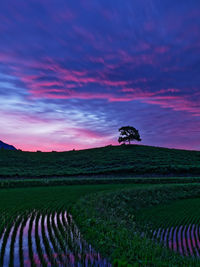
[96, 225]
[148, 226]
[176, 226]
[46, 239]
[184, 239]
[36, 228]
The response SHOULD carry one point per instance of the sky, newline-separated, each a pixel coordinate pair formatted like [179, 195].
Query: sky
[73, 72]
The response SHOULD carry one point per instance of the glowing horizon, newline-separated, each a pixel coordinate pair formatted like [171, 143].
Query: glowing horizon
[71, 73]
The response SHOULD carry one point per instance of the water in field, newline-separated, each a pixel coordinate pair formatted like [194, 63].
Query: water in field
[50, 239]
[184, 239]
[176, 225]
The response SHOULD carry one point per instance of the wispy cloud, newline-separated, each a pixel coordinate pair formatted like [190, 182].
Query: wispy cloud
[71, 73]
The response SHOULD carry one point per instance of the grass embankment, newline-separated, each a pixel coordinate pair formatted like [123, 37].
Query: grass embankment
[122, 160]
[110, 222]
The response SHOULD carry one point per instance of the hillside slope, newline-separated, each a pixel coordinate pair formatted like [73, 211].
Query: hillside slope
[6, 146]
[113, 160]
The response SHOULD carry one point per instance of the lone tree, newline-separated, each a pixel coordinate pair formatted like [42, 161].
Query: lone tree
[128, 134]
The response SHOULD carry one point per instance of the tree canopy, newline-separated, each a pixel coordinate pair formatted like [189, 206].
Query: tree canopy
[128, 134]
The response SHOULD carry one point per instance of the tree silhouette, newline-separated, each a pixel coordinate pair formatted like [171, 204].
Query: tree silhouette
[128, 134]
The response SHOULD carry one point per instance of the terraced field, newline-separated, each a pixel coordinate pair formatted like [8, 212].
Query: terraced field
[46, 239]
[176, 226]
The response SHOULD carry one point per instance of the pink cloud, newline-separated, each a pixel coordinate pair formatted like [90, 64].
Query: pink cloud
[70, 82]
[63, 15]
[162, 49]
[84, 33]
[149, 26]
[138, 59]
[177, 103]
[76, 79]
[30, 133]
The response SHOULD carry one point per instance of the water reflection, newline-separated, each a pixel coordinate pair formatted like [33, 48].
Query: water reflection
[184, 239]
[47, 240]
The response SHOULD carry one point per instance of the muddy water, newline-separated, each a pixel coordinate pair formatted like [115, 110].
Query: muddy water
[47, 240]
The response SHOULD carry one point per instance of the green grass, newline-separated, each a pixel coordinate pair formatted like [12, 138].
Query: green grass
[112, 160]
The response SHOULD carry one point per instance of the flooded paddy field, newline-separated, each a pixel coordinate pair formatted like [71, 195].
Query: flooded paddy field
[37, 225]
[46, 239]
[175, 226]
[36, 228]
[184, 239]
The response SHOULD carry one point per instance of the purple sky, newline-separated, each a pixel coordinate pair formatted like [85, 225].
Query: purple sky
[73, 72]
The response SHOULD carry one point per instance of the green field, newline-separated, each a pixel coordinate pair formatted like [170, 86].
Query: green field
[37, 228]
[120, 224]
[175, 225]
[35, 208]
[180, 212]
[113, 206]
[111, 160]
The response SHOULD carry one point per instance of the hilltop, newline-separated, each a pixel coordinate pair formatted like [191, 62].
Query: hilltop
[121, 160]
[6, 146]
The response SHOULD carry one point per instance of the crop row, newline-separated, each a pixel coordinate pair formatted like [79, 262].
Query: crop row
[184, 239]
[46, 238]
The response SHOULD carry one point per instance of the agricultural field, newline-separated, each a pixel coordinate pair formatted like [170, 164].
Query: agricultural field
[132, 160]
[100, 225]
[175, 225]
[112, 206]
[124, 225]
[37, 229]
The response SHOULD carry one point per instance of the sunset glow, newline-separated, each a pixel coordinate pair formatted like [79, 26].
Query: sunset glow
[73, 72]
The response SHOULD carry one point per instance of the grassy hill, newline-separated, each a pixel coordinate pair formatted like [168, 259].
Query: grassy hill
[111, 160]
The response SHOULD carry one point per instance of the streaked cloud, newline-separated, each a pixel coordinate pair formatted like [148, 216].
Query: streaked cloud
[72, 73]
